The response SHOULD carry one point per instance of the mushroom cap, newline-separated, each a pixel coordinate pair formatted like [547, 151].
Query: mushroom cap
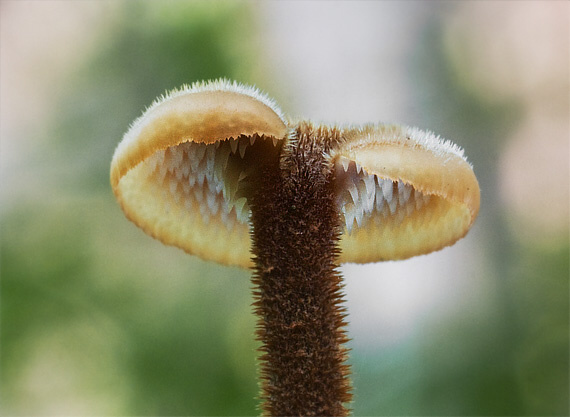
[181, 169]
[158, 169]
[411, 193]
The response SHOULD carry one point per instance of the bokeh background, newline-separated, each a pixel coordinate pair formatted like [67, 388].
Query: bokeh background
[99, 319]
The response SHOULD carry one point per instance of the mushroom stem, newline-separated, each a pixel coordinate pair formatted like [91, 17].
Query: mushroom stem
[297, 288]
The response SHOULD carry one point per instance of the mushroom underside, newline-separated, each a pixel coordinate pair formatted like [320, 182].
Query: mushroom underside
[195, 196]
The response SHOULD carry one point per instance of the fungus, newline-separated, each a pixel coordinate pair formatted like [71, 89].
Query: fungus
[217, 170]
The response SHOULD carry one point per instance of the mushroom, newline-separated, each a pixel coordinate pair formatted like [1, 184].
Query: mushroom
[217, 170]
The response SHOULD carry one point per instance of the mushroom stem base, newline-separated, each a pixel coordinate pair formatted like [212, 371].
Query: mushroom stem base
[297, 288]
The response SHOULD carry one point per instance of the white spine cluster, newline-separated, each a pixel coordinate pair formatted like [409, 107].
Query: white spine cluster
[366, 195]
[199, 174]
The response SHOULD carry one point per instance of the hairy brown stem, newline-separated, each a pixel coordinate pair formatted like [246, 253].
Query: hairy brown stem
[297, 289]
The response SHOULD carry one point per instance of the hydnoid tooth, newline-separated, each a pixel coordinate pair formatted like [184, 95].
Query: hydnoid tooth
[199, 151]
[185, 168]
[204, 211]
[348, 211]
[178, 174]
[379, 203]
[195, 156]
[404, 191]
[188, 203]
[175, 159]
[358, 215]
[191, 180]
[344, 162]
[212, 186]
[241, 209]
[242, 146]
[234, 145]
[186, 187]
[210, 159]
[200, 176]
[199, 194]
[212, 201]
[353, 192]
[230, 220]
[387, 189]
[224, 155]
[358, 167]
[370, 184]
[230, 188]
[219, 165]
[159, 155]
[366, 202]
[393, 204]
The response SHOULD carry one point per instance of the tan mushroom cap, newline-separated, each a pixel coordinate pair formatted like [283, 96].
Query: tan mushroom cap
[177, 172]
[150, 181]
[433, 188]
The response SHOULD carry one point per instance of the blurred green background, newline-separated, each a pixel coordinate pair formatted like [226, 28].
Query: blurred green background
[99, 319]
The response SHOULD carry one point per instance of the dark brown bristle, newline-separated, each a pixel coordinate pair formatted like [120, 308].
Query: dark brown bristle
[297, 288]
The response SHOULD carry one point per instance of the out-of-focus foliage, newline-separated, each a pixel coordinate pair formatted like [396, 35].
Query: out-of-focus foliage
[99, 319]
[96, 321]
